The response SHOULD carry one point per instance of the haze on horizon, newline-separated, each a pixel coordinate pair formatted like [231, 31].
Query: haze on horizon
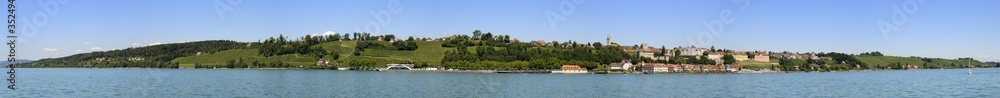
[926, 28]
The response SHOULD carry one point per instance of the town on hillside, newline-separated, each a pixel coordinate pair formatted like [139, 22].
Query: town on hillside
[646, 59]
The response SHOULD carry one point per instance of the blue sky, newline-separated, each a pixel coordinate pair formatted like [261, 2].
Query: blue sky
[932, 28]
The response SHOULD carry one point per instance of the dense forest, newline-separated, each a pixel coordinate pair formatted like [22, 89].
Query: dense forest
[157, 56]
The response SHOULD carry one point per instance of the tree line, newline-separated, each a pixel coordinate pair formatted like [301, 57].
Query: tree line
[243, 63]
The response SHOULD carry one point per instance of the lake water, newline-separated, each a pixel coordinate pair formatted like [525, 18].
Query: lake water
[99, 83]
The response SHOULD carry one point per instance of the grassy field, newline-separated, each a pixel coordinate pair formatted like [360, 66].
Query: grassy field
[886, 60]
[249, 55]
[938, 61]
[217, 58]
[339, 47]
[753, 65]
[429, 52]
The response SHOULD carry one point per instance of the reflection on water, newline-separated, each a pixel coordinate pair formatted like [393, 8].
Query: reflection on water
[328, 83]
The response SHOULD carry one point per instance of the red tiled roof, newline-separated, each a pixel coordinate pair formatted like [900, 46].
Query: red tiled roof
[571, 67]
[655, 65]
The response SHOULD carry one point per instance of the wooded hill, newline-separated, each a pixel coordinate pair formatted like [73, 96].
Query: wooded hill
[275, 52]
[157, 56]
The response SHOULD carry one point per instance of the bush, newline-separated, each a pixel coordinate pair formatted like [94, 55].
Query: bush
[405, 45]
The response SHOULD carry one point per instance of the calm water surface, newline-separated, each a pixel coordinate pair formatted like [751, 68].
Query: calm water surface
[96, 83]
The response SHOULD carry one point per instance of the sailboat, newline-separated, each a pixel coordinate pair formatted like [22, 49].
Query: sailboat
[970, 67]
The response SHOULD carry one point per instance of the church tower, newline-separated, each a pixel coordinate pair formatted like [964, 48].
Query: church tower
[609, 40]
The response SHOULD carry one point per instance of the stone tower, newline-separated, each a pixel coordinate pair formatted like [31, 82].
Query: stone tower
[609, 40]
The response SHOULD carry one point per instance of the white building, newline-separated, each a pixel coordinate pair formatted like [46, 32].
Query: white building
[692, 51]
[715, 56]
[623, 65]
[655, 68]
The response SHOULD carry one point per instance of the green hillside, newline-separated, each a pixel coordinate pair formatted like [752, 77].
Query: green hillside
[218, 58]
[883, 61]
[886, 60]
[754, 65]
[247, 55]
[339, 47]
[156, 56]
[429, 52]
